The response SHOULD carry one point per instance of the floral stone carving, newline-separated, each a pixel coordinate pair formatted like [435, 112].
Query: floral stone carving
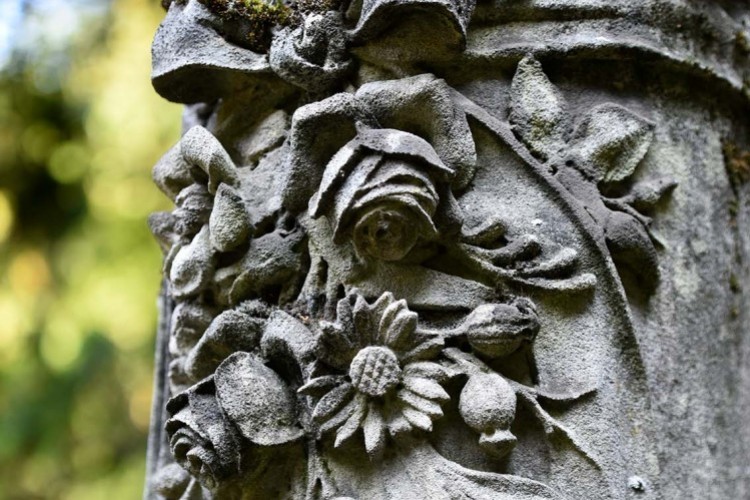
[383, 282]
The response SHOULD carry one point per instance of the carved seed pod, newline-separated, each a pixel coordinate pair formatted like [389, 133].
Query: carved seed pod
[488, 405]
[497, 330]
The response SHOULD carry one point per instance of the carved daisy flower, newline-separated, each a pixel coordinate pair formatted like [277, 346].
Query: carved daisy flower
[390, 386]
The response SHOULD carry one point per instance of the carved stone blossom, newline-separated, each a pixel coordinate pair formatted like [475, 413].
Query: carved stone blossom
[396, 269]
[392, 387]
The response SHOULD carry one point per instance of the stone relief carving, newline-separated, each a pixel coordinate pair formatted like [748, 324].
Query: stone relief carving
[378, 289]
[603, 149]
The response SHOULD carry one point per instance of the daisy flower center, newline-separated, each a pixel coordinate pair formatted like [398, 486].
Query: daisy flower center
[375, 370]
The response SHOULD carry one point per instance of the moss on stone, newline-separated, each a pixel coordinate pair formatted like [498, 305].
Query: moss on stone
[256, 17]
[737, 162]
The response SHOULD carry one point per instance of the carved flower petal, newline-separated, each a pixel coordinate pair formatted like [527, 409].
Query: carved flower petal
[319, 34]
[342, 416]
[353, 422]
[397, 325]
[318, 131]
[426, 369]
[379, 15]
[426, 388]
[332, 401]
[400, 171]
[365, 325]
[398, 425]
[424, 197]
[335, 347]
[381, 304]
[424, 405]
[374, 431]
[426, 349]
[417, 418]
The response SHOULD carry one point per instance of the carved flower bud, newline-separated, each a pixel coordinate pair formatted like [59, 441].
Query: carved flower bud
[499, 329]
[375, 371]
[488, 405]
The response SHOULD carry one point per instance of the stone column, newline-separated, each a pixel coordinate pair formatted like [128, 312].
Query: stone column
[427, 249]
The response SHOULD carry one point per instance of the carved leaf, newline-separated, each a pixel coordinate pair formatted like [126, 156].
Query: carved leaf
[172, 173]
[201, 148]
[192, 266]
[538, 112]
[229, 223]
[424, 405]
[424, 105]
[257, 400]
[286, 339]
[230, 332]
[611, 141]
[645, 195]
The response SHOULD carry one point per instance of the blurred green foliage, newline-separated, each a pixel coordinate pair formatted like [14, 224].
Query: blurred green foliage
[80, 128]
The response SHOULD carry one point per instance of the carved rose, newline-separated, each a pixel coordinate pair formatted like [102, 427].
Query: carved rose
[202, 441]
[382, 191]
[389, 386]
[312, 55]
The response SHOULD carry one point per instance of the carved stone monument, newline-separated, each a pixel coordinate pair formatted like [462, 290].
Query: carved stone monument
[433, 249]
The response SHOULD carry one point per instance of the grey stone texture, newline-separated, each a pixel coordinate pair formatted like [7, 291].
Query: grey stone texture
[433, 249]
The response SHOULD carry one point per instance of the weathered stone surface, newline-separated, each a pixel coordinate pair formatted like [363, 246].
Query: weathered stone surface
[429, 249]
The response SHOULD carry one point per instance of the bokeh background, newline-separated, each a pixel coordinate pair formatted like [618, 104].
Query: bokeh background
[80, 128]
